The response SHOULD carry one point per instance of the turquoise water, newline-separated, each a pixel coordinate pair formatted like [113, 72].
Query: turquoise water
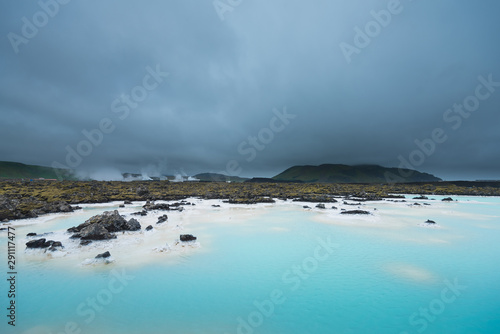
[284, 270]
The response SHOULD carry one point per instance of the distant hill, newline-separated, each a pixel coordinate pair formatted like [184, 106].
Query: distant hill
[335, 173]
[214, 177]
[16, 170]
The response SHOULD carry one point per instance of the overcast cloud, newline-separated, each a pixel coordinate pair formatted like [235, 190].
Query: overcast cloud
[274, 70]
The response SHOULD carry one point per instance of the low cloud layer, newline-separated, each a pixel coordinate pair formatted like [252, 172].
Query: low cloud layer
[251, 87]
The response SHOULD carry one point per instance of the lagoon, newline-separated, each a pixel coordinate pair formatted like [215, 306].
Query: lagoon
[269, 268]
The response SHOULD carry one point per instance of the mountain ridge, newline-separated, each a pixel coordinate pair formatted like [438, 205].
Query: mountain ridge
[18, 170]
[340, 173]
[216, 177]
[325, 173]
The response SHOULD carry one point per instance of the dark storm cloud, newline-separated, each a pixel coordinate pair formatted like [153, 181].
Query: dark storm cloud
[225, 78]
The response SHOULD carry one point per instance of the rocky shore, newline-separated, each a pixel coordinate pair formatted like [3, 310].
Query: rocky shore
[24, 199]
[20, 207]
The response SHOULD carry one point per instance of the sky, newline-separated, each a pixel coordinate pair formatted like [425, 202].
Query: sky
[250, 88]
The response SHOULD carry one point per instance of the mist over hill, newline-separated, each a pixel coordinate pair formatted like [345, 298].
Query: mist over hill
[326, 173]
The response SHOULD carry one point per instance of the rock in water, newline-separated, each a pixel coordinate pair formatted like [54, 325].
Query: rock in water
[42, 243]
[140, 213]
[162, 219]
[103, 255]
[151, 206]
[55, 244]
[315, 198]
[100, 227]
[430, 221]
[39, 243]
[447, 199]
[94, 232]
[355, 212]
[85, 242]
[149, 228]
[187, 237]
[112, 221]
[421, 197]
[133, 225]
[32, 234]
[320, 206]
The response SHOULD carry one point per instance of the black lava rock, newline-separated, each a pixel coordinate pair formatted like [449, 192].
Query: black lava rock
[103, 255]
[187, 237]
[355, 212]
